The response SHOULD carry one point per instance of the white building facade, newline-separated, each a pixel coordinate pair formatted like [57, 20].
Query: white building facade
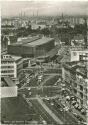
[11, 66]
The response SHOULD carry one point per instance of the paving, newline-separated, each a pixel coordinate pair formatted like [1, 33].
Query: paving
[52, 97]
[49, 111]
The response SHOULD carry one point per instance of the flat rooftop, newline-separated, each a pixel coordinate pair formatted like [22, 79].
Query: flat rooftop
[40, 41]
[16, 57]
[8, 81]
[11, 58]
[32, 41]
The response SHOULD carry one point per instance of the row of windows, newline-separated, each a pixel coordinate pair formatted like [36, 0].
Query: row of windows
[80, 88]
[80, 93]
[7, 66]
[11, 75]
[4, 62]
[11, 71]
[8, 75]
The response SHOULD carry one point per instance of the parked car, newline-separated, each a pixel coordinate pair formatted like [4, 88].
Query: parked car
[52, 103]
[79, 118]
[83, 111]
[76, 105]
[73, 103]
[79, 108]
[84, 123]
[73, 98]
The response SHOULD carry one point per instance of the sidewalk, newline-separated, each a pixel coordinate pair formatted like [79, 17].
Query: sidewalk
[83, 117]
[49, 111]
[42, 83]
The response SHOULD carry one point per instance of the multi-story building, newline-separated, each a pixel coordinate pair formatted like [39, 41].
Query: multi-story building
[80, 86]
[76, 53]
[11, 66]
[7, 40]
[68, 73]
[75, 74]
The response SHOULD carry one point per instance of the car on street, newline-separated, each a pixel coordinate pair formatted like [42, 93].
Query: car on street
[66, 108]
[76, 105]
[75, 114]
[79, 108]
[47, 99]
[29, 88]
[44, 122]
[73, 103]
[79, 118]
[30, 93]
[72, 98]
[84, 123]
[68, 98]
[52, 103]
[83, 111]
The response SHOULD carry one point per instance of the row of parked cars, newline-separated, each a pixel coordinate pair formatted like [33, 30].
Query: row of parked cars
[76, 105]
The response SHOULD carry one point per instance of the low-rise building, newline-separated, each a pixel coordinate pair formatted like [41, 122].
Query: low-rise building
[8, 88]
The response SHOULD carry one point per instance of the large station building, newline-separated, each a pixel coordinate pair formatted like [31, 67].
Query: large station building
[32, 47]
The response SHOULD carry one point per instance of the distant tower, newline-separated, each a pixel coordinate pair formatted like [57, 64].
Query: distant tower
[24, 14]
[33, 14]
[37, 13]
[21, 15]
[62, 18]
[85, 33]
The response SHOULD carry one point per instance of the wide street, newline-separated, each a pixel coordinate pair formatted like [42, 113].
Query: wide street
[44, 96]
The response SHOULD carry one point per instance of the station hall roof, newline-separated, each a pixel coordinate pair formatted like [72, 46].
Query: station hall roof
[40, 41]
[35, 41]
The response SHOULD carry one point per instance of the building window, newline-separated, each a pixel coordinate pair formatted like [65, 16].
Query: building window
[11, 75]
[75, 91]
[75, 84]
[7, 67]
[85, 91]
[81, 88]
[81, 95]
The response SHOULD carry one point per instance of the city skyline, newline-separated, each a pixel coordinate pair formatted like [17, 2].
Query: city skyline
[48, 8]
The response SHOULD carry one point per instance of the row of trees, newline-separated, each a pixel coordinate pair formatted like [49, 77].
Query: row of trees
[23, 31]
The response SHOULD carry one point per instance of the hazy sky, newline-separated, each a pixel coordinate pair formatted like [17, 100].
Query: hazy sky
[50, 7]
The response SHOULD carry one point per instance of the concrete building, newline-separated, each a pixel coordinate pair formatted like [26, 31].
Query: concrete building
[74, 75]
[78, 40]
[11, 66]
[77, 52]
[81, 86]
[8, 88]
[7, 40]
[32, 46]
[68, 72]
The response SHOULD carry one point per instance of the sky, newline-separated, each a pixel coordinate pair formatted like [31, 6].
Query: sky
[46, 7]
